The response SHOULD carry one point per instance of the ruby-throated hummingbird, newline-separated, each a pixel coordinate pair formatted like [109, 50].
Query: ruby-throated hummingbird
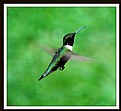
[63, 54]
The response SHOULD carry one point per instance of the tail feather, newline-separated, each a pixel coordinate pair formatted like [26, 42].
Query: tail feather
[47, 73]
[41, 77]
[44, 75]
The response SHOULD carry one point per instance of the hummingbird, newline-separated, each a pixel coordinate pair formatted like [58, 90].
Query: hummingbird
[63, 54]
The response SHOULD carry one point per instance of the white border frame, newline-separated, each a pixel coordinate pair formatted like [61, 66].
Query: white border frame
[61, 107]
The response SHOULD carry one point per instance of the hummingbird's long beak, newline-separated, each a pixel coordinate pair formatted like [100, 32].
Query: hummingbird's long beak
[80, 29]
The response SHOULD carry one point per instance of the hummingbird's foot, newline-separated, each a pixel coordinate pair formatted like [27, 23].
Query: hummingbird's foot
[61, 68]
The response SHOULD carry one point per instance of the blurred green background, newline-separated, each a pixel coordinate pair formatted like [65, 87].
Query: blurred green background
[80, 83]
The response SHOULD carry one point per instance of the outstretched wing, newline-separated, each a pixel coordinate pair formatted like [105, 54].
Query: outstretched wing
[49, 49]
[75, 56]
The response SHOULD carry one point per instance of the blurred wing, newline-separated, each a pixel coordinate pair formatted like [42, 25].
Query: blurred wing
[75, 56]
[49, 49]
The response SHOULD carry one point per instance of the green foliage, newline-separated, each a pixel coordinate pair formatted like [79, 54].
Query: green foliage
[80, 83]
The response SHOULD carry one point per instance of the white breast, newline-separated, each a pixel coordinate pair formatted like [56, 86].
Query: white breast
[69, 47]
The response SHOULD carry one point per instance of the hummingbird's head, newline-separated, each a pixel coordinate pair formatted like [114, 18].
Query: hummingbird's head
[68, 39]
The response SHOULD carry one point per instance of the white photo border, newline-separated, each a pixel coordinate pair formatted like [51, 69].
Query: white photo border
[61, 5]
